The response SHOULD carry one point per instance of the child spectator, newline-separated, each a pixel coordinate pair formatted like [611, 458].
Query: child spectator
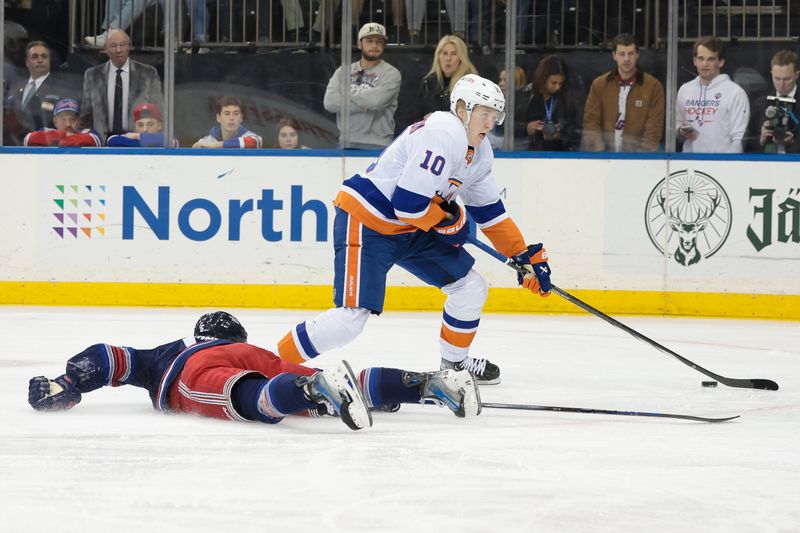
[230, 133]
[147, 132]
[288, 135]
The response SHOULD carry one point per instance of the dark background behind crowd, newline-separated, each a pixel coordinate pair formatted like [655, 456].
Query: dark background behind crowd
[278, 56]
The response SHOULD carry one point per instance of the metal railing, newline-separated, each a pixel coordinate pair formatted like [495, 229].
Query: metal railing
[763, 20]
[552, 24]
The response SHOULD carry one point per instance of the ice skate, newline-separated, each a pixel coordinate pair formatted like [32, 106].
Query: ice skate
[485, 373]
[455, 389]
[338, 386]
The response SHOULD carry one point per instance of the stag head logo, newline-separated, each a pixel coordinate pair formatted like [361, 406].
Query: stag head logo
[688, 214]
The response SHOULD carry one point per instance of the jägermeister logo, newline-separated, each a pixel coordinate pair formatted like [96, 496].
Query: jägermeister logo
[689, 215]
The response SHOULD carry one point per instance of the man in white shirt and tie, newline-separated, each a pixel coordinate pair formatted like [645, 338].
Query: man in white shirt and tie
[35, 98]
[112, 89]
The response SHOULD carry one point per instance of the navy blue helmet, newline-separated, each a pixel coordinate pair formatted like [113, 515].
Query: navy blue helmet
[220, 325]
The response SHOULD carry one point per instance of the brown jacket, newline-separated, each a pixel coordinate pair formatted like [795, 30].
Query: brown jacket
[644, 114]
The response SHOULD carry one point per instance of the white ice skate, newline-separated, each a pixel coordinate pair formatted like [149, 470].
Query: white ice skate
[339, 387]
[458, 390]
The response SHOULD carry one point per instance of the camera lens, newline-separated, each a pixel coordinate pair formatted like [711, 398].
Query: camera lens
[549, 131]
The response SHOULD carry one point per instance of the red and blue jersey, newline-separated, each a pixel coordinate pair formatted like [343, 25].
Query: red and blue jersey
[153, 369]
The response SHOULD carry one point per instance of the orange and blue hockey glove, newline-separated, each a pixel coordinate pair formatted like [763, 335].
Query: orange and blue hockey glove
[454, 229]
[537, 272]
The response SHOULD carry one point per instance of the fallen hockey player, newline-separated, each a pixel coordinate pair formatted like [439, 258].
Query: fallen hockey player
[216, 373]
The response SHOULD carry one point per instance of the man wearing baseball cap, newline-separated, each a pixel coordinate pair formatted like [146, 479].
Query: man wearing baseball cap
[374, 87]
[147, 129]
[66, 132]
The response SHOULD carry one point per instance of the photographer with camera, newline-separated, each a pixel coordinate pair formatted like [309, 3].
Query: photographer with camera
[546, 115]
[625, 108]
[776, 116]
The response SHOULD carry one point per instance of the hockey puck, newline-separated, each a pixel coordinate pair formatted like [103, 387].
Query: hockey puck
[709, 384]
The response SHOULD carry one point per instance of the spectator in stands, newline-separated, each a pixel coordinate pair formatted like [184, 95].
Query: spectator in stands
[480, 17]
[519, 79]
[712, 111]
[292, 18]
[784, 71]
[450, 63]
[456, 11]
[112, 89]
[374, 88]
[230, 133]
[147, 129]
[497, 135]
[33, 99]
[122, 13]
[547, 119]
[66, 132]
[327, 12]
[15, 38]
[398, 21]
[288, 133]
[624, 111]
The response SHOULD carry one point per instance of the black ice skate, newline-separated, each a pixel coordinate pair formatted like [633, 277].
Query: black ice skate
[485, 373]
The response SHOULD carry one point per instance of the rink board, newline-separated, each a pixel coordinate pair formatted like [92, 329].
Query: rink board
[641, 236]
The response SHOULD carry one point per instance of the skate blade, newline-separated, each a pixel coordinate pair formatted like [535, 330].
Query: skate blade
[495, 381]
[470, 396]
[355, 412]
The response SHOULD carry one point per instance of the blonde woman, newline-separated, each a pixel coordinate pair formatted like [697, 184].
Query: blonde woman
[450, 63]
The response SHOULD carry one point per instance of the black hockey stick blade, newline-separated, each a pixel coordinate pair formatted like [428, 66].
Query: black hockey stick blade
[586, 410]
[742, 383]
[754, 383]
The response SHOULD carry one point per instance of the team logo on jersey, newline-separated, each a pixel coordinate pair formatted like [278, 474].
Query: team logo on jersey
[81, 211]
[688, 214]
[470, 155]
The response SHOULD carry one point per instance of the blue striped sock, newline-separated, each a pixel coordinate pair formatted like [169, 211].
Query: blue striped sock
[384, 386]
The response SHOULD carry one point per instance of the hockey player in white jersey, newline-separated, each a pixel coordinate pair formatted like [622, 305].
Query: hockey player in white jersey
[403, 211]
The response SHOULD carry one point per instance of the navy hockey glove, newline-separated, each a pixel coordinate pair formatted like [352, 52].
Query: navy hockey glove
[455, 230]
[53, 395]
[537, 275]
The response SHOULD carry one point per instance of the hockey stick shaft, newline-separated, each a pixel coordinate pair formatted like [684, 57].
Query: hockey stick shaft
[586, 410]
[757, 383]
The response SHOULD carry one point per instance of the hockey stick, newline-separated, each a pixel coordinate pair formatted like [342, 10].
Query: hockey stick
[586, 410]
[756, 383]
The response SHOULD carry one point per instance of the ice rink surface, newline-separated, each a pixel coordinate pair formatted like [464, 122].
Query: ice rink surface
[113, 464]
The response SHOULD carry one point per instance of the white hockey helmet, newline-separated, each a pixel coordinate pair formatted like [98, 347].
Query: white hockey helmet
[474, 90]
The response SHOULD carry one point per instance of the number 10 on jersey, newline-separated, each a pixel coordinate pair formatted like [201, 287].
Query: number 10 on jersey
[436, 166]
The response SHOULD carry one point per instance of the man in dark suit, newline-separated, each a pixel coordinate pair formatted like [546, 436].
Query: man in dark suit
[784, 70]
[33, 99]
[113, 89]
